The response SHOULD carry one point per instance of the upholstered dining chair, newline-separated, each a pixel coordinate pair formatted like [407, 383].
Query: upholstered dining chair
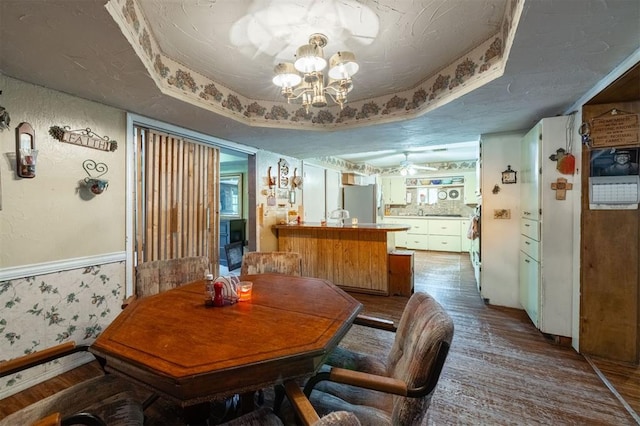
[104, 399]
[263, 262]
[161, 275]
[392, 391]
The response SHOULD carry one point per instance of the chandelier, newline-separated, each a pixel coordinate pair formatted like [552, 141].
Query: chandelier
[311, 87]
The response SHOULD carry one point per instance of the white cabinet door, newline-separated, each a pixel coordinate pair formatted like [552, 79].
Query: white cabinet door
[470, 187]
[333, 200]
[530, 174]
[465, 243]
[394, 190]
[313, 193]
[529, 288]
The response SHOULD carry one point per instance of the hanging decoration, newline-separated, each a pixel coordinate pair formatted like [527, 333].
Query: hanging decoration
[95, 171]
[615, 128]
[5, 119]
[566, 160]
[83, 137]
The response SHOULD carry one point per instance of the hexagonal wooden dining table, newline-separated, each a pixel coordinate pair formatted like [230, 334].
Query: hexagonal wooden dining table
[173, 344]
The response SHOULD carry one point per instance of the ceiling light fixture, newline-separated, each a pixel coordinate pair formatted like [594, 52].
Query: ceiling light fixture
[311, 87]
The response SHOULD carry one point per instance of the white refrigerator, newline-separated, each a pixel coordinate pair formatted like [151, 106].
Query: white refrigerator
[361, 201]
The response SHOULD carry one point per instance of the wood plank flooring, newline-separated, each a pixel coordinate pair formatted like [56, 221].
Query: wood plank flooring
[500, 370]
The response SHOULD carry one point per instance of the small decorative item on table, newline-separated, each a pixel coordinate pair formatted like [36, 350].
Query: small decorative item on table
[208, 290]
[245, 288]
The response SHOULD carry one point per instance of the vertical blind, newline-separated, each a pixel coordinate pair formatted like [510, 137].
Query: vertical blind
[176, 197]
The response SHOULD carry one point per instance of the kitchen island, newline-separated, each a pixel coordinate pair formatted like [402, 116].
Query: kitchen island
[354, 257]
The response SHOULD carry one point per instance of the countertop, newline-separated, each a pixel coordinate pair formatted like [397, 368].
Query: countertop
[382, 227]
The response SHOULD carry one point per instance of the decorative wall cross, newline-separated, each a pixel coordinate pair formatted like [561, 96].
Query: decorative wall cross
[561, 187]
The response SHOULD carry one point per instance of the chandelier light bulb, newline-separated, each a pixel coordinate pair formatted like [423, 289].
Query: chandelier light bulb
[343, 65]
[286, 75]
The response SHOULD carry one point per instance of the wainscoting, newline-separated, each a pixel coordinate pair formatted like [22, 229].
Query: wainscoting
[500, 369]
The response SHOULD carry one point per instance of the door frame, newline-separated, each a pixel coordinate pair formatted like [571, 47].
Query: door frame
[132, 121]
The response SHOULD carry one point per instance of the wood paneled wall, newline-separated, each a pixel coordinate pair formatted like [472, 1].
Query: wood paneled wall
[176, 198]
[610, 272]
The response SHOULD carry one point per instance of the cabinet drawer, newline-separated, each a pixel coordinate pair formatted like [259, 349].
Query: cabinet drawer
[444, 243]
[418, 227]
[530, 228]
[444, 227]
[530, 247]
[417, 242]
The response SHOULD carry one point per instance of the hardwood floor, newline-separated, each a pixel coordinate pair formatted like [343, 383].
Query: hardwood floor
[500, 370]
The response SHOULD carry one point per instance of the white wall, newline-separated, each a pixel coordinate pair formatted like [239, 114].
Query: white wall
[46, 218]
[266, 215]
[500, 238]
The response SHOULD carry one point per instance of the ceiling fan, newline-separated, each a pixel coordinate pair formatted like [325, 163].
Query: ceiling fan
[408, 168]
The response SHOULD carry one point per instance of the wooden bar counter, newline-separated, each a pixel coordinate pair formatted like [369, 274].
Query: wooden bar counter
[354, 257]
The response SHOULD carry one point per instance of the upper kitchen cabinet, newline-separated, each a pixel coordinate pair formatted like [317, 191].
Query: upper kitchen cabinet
[530, 173]
[470, 188]
[394, 190]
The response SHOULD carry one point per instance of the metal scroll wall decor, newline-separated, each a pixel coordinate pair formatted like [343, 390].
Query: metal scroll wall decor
[83, 137]
[95, 171]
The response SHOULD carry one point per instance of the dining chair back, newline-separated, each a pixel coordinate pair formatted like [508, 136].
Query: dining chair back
[161, 275]
[397, 388]
[279, 262]
[105, 399]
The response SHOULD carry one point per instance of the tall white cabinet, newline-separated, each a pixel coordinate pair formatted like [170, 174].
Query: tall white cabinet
[546, 233]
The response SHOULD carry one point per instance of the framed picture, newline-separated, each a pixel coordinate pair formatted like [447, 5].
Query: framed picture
[234, 253]
[614, 161]
[509, 176]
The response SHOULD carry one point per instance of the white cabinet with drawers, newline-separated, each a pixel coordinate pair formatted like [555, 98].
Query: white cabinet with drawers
[444, 235]
[546, 232]
[431, 233]
[418, 234]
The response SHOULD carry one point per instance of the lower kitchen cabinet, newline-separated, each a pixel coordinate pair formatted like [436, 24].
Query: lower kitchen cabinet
[401, 273]
[444, 243]
[529, 272]
[432, 234]
[417, 241]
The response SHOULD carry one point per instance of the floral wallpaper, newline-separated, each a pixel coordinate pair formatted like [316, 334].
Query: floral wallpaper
[37, 312]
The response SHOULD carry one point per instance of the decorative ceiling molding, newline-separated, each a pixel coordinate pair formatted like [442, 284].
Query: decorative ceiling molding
[481, 65]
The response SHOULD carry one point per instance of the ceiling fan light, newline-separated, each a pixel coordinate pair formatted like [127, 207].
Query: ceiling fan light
[403, 172]
[343, 65]
[286, 75]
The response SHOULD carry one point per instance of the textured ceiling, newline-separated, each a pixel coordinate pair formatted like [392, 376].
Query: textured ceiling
[561, 49]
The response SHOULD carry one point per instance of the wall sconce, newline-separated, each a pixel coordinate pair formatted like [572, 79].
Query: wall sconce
[26, 152]
[509, 176]
[95, 170]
